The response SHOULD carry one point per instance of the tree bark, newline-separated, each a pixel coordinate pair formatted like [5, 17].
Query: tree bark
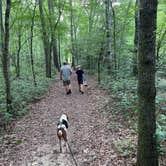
[114, 38]
[147, 152]
[135, 55]
[108, 35]
[1, 30]
[53, 43]
[59, 48]
[46, 42]
[18, 53]
[31, 47]
[72, 34]
[5, 51]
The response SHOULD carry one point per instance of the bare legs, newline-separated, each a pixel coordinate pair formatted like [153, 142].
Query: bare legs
[81, 89]
[68, 89]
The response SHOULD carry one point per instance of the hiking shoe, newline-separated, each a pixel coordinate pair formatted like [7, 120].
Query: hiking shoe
[69, 92]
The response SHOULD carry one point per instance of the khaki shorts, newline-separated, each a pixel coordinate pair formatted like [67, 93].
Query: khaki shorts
[67, 82]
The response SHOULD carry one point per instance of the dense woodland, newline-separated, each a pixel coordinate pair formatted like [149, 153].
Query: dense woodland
[121, 42]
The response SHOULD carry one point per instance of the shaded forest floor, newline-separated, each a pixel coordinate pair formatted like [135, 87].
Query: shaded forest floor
[97, 136]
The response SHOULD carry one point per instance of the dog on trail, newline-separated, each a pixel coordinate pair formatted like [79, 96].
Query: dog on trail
[62, 127]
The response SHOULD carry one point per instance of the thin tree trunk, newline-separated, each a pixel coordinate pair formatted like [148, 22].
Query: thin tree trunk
[108, 35]
[99, 64]
[5, 52]
[31, 47]
[72, 34]
[114, 38]
[124, 23]
[46, 42]
[53, 43]
[147, 150]
[59, 48]
[1, 30]
[135, 56]
[18, 54]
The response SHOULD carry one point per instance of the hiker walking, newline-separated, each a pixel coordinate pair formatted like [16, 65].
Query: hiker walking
[65, 75]
[80, 73]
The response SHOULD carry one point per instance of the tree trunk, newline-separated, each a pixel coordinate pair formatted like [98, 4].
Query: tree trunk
[1, 30]
[135, 55]
[147, 152]
[53, 43]
[72, 34]
[99, 64]
[18, 54]
[31, 46]
[5, 51]
[108, 35]
[46, 42]
[59, 48]
[114, 38]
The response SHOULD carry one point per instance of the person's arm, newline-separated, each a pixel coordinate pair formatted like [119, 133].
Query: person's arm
[71, 71]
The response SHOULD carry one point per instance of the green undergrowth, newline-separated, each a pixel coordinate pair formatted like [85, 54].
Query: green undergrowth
[23, 92]
[123, 90]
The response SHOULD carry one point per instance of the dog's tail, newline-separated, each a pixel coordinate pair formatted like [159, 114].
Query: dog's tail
[60, 133]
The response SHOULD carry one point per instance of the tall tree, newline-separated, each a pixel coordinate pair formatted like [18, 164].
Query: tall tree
[31, 45]
[46, 42]
[114, 36]
[5, 50]
[135, 70]
[1, 29]
[147, 152]
[53, 44]
[108, 34]
[72, 33]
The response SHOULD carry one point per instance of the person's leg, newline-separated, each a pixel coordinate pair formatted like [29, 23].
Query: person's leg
[81, 88]
[69, 86]
[65, 84]
[67, 89]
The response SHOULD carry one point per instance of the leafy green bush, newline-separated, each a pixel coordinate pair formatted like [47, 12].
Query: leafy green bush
[161, 132]
[24, 91]
[125, 89]
[124, 146]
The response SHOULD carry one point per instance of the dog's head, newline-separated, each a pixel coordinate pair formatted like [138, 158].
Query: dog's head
[64, 117]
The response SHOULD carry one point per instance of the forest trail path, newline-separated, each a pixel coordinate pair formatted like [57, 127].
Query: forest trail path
[97, 134]
[33, 142]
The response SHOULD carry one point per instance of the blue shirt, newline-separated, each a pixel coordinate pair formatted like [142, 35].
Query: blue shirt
[66, 72]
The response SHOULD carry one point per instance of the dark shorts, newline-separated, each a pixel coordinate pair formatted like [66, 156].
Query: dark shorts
[67, 82]
[80, 81]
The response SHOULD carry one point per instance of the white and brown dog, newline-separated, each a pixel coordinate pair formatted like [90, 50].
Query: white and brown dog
[62, 127]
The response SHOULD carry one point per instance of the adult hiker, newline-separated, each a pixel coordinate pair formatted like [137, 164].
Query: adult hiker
[80, 73]
[65, 75]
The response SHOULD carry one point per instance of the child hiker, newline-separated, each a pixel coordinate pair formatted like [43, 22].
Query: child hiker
[80, 73]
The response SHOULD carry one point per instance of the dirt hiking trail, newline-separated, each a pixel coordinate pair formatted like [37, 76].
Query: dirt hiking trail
[33, 141]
